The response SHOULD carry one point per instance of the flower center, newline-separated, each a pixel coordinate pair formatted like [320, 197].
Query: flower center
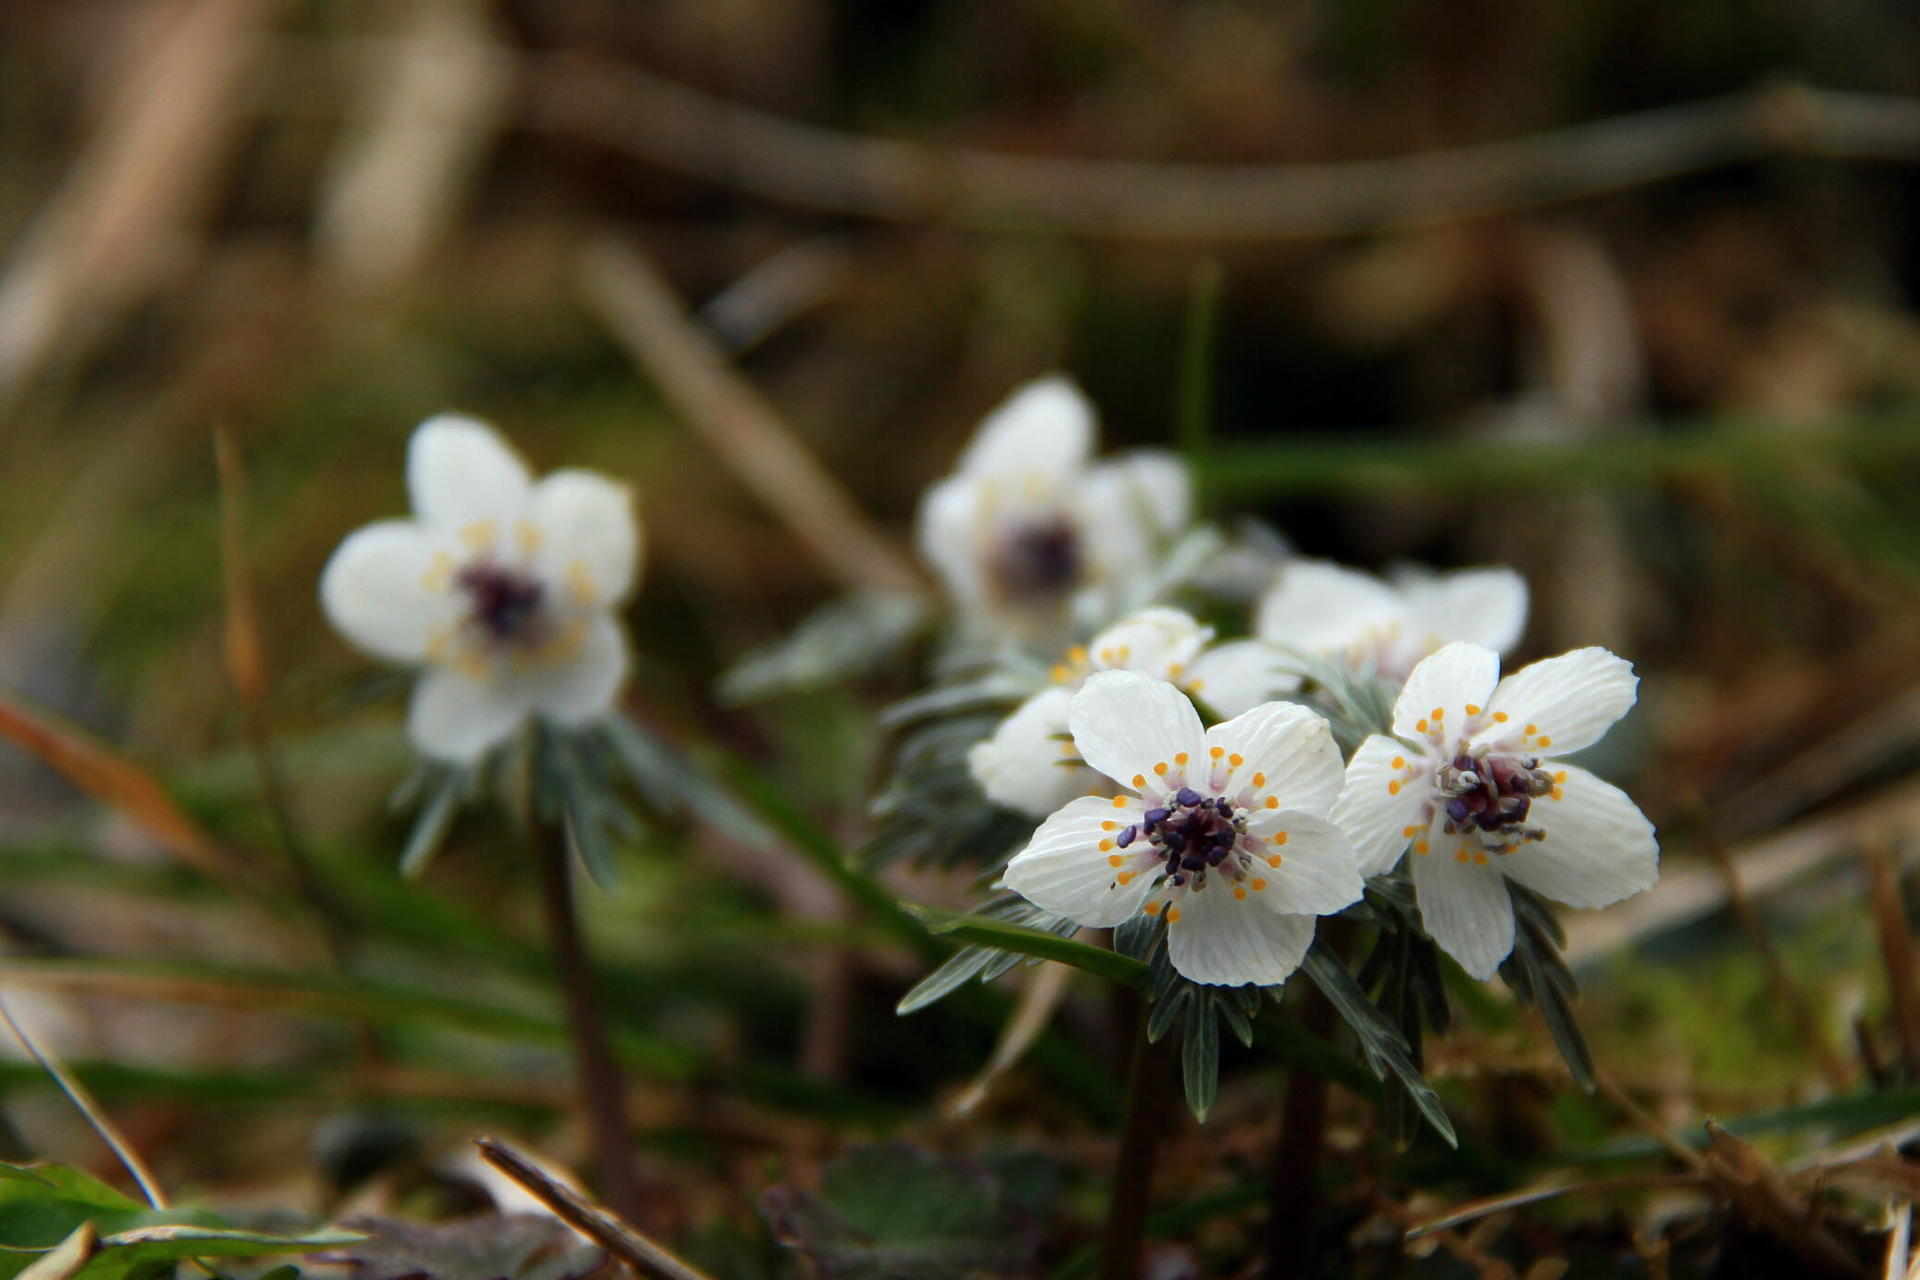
[1039, 559]
[1492, 794]
[504, 605]
[1192, 834]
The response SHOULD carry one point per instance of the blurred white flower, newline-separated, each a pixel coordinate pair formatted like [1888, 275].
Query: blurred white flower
[503, 589]
[1028, 764]
[1467, 782]
[1372, 626]
[1028, 525]
[1221, 831]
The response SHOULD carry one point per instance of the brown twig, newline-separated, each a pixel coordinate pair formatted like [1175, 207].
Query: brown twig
[601, 1082]
[1782, 979]
[247, 664]
[640, 1255]
[641, 308]
[667, 124]
[128, 210]
[1896, 949]
[1460, 1215]
[1639, 1115]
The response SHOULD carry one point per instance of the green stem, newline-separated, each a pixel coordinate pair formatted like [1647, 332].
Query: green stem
[601, 1082]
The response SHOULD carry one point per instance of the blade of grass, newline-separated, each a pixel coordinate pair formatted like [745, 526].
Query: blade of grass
[84, 1103]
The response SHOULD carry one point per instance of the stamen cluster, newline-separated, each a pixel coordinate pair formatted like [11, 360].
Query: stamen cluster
[1194, 834]
[1493, 794]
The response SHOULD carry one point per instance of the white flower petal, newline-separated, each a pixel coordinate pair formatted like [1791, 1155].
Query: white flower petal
[1318, 874]
[1064, 869]
[1375, 814]
[1485, 606]
[1599, 847]
[1045, 426]
[380, 590]
[1128, 511]
[1230, 941]
[1124, 723]
[1135, 501]
[1160, 642]
[1020, 765]
[584, 685]
[1319, 607]
[459, 719]
[1459, 676]
[1464, 906]
[589, 538]
[1240, 675]
[460, 472]
[1571, 701]
[1290, 747]
[948, 533]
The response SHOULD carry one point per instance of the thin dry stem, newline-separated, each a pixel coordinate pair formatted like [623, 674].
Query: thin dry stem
[1896, 949]
[90, 1109]
[1839, 1079]
[639, 1254]
[663, 123]
[737, 422]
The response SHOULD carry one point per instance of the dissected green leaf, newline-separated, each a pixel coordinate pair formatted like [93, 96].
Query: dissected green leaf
[894, 1213]
[840, 640]
[152, 1250]
[43, 1206]
[1541, 979]
[1385, 1048]
[932, 811]
[494, 1246]
[984, 962]
[1039, 943]
[66, 1258]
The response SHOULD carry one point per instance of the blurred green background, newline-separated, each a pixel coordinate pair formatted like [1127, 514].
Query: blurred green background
[1660, 354]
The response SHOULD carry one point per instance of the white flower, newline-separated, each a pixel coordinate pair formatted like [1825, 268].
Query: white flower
[1221, 830]
[503, 589]
[1027, 764]
[1027, 525]
[1380, 628]
[1468, 783]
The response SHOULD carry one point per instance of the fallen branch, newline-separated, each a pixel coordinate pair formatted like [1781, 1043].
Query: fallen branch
[675, 127]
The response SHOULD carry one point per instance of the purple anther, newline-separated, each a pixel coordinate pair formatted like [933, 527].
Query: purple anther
[1153, 818]
[1126, 837]
[1457, 809]
[1187, 796]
